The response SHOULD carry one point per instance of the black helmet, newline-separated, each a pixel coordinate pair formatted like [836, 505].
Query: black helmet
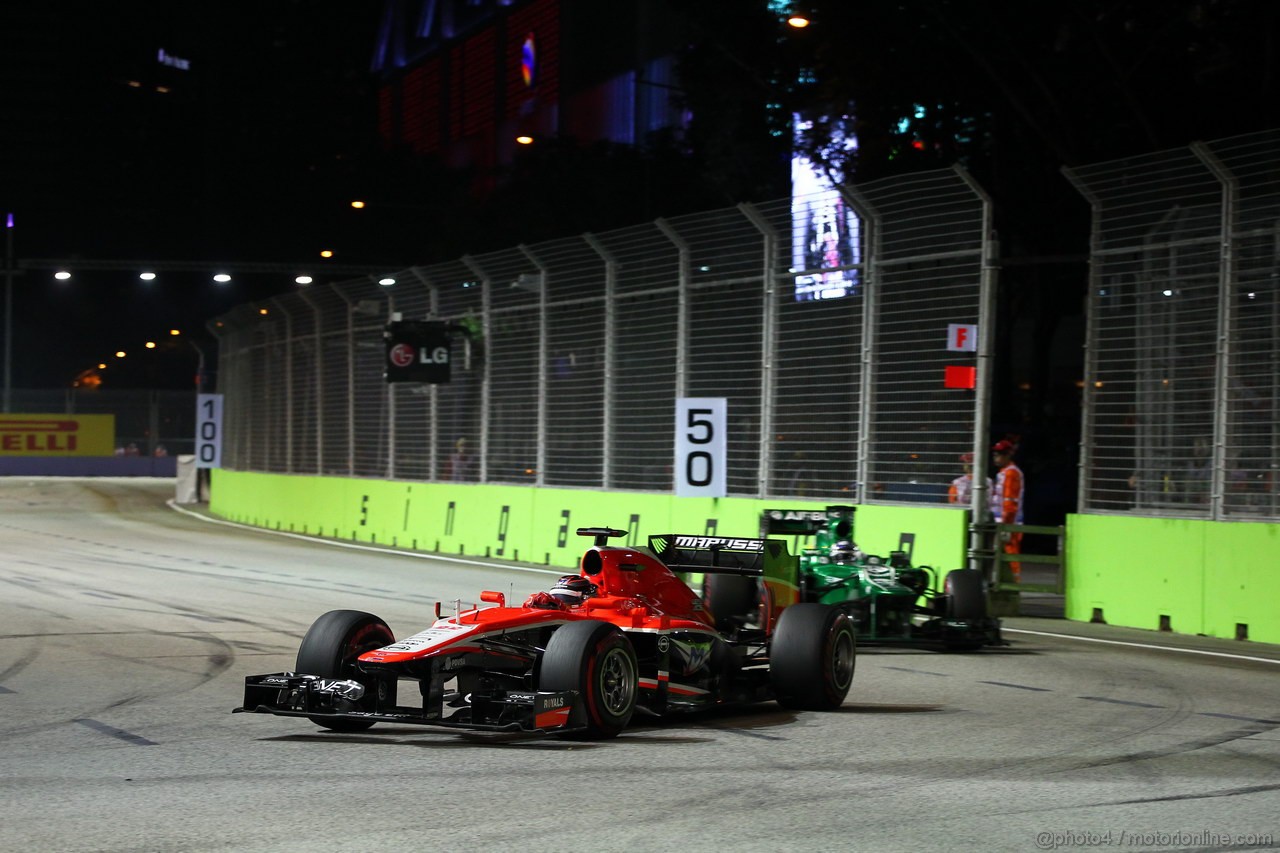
[573, 589]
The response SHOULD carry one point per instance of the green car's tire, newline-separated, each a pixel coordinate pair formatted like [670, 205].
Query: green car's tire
[966, 600]
[812, 656]
[330, 649]
[966, 594]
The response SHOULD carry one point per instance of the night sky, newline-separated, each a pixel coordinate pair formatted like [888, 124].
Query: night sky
[253, 151]
[109, 153]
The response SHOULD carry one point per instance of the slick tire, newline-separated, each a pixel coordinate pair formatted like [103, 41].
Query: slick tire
[812, 657]
[966, 600]
[597, 660]
[732, 599]
[966, 595]
[330, 649]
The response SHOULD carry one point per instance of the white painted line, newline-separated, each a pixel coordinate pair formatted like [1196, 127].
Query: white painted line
[1151, 646]
[359, 547]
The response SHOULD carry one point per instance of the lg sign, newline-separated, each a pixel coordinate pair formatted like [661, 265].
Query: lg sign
[401, 355]
[404, 355]
[417, 351]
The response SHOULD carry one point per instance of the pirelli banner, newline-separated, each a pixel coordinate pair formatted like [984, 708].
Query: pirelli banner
[57, 435]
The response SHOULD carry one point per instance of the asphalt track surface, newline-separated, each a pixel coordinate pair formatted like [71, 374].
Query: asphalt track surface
[126, 629]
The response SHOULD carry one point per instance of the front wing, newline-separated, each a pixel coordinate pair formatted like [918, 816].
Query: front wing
[290, 694]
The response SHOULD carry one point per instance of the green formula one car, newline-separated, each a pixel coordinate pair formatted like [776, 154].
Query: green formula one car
[889, 600]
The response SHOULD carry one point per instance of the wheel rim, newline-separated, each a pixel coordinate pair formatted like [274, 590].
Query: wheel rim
[366, 639]
[842, 658]
[617, 682]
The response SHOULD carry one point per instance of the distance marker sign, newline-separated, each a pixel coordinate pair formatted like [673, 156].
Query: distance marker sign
[701, 461]
[208, 430]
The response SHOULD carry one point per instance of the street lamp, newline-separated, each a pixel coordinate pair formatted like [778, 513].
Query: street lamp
[62, 275]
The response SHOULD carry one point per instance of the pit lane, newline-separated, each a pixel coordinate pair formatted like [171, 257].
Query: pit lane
[127, 629]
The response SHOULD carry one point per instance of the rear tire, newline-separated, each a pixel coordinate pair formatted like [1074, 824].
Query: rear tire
[812, 657]
[597, 660]
[732, 599]
[330, 649]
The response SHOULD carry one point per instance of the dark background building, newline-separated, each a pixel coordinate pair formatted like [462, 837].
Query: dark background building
[240, 132]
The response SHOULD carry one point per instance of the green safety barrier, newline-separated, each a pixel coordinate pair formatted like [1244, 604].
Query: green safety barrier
[536, 525]
[1189, 576]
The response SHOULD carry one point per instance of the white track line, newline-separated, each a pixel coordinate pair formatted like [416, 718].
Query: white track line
[172, 504]
[1140, 645]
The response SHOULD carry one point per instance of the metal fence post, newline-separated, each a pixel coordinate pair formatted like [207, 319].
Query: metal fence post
[433, 404]
[351, 381]
[1226, 323]
[769, 344]
[486, 326]
[288, 383]
[985, 360]
[682, 306]
[319, 380]
[540, 454]
[390, 391]
[610, 355]
[1087, 394]
[870, 314]
[433, 393]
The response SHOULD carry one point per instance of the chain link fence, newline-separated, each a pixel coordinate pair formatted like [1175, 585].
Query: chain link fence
[822, 320]
[1182, 384]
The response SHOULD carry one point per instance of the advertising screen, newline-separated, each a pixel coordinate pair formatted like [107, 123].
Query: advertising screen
[825, 232]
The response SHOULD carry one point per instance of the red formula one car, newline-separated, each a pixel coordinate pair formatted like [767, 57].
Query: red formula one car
[640, 640]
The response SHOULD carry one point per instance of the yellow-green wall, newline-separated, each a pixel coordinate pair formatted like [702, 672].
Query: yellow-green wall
[1207, 577]
[535, 525]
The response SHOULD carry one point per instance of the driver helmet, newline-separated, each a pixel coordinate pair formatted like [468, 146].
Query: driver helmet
[842, 551]
[573, 589]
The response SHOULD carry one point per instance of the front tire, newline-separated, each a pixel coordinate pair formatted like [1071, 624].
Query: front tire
[966, 595]
[330, 649]
[597, 660]
[812, 657]
[966, 601]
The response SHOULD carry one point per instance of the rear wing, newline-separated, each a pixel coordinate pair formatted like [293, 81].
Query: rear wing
[802, 522]
[731, 555]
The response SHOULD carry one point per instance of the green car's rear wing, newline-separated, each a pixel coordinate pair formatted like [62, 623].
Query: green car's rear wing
[696, 554]
[804, 522]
